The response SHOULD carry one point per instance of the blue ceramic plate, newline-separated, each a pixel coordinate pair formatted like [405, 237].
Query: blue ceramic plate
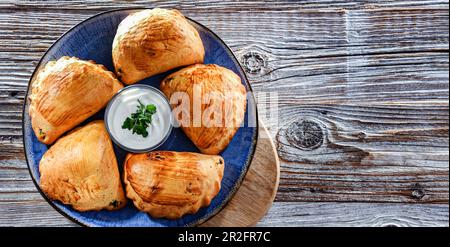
[92, 40]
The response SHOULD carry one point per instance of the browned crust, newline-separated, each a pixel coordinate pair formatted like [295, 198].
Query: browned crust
[65, 93]
[213, 79]
[81, 170]
[150, 42]
[171, 184]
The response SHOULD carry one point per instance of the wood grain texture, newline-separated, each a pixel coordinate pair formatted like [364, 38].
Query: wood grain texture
[373, 75]
[257, 192]
[355, 214]
[309, 214]
[225, 6]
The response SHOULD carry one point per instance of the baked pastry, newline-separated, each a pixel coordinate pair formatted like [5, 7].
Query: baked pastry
[171, 184]
[153, 41]
[81, 169]
[223, 104]
[65, 93]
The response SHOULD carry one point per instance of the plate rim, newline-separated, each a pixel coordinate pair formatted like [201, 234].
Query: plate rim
[248, 161]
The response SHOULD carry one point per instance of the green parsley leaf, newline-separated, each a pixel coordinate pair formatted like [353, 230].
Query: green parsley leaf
[139, 121]
[151, 109]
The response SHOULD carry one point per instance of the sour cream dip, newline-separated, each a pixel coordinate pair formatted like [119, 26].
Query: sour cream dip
[124, 103]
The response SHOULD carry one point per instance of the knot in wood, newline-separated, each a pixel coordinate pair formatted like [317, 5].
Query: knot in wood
[306, 134]
[253, 62]
[13, 94]
[417, 192]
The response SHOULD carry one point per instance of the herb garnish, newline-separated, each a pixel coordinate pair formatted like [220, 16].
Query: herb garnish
[139, 121]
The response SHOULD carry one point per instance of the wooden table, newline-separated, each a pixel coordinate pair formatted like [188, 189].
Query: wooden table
[362, 90]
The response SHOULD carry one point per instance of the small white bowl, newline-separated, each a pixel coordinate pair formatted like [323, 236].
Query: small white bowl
[125, 102]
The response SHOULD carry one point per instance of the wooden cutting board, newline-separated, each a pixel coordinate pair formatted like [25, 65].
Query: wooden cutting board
[257, 192]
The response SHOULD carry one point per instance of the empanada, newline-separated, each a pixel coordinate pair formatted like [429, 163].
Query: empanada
[222, 101]
[81, 169]
[65, 93]
[153, 41]
[171, 184]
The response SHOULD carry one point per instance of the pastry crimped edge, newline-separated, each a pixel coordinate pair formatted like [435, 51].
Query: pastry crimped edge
[191, 70]
[140, 204]
[51, 194]
[44, 131]
[125, 67]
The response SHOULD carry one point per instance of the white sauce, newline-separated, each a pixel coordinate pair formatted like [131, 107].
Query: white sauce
[124, 104]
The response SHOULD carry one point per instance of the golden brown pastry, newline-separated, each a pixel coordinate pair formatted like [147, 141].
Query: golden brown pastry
[153, 41]
[80, 169]
[65, 93]
[171, 184]
[222, 112]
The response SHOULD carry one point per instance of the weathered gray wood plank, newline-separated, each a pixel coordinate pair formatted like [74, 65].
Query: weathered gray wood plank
[355, 214]
[39, 213]
[218, 5]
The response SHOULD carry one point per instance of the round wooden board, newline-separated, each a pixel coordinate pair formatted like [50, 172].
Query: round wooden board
[257, 192]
